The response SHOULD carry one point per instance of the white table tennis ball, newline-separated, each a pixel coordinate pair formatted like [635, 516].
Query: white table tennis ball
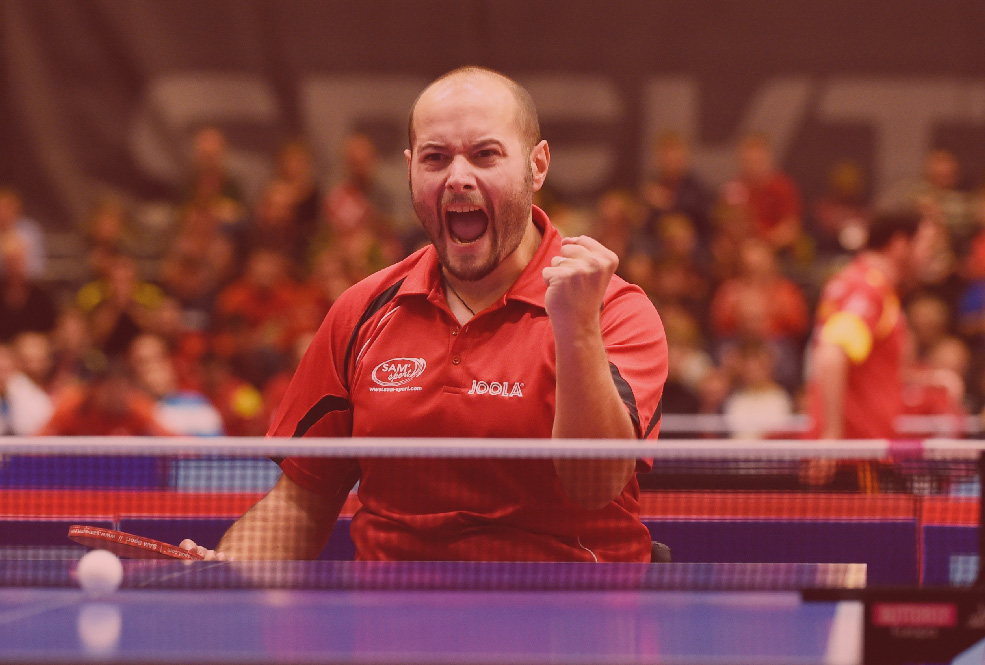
[99, 572]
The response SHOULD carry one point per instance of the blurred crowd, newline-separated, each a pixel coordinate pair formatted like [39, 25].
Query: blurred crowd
[196, 329]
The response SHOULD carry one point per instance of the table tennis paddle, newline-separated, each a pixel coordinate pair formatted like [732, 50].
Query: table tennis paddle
[127, 545]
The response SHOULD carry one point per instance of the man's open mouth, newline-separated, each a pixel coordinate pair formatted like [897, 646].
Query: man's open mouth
[466, 223]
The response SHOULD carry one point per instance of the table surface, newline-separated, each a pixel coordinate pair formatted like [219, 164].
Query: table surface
[431, 613]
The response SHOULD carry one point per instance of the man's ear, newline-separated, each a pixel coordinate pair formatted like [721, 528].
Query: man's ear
[407, 154]
[540, 160]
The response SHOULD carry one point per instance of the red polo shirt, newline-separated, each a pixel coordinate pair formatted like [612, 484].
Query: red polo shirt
[860, 312]
[390, 359]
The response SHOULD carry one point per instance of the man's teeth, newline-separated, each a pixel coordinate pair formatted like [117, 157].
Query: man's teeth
[463, 208]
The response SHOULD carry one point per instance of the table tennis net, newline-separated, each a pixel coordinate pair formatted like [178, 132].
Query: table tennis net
[907, 514]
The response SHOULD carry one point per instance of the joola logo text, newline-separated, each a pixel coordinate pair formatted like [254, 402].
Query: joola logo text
[398, 371]
[499, 388]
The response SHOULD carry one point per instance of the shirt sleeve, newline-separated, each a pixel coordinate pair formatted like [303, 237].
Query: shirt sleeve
[317, 404]
[637, 349]
[852, 325]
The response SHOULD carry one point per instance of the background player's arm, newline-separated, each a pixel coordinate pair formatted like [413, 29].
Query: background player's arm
[587, 402]
[830, 365]
[290, 522]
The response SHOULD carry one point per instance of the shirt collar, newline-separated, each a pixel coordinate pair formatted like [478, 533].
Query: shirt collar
[425, 277]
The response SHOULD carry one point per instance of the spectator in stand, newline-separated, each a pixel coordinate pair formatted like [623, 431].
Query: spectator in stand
[35, 359]
[616, 223]
[192, 280]
[108, 233]
[145, 350]
[184, 412]
[941, 201]
[678, 239]
[328, 279]
[296, 170]
[186, 345]
[669, 281]
[678, 244]
[689, 363]
[359, 210]
[210, 180]
[757, 405]
[276, 225]
[935, 386]
[24, 407]
[119, 305]
[713, 391]
[71, 350]
[941, 274]
[841, 214]
[952, 356]
[771, 198]
[239, 402]
[211, 216]
[109, 405]
[929, 320]
[940, 196]
[180, 410]
[24, 304]
[571, 220]
[752, 322]
[676, 188]
[761, 298]
[733, 224]
[253, 315]
[13, 221]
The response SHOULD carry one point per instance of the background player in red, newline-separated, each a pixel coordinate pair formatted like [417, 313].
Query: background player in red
[499, 328]
[855, 387]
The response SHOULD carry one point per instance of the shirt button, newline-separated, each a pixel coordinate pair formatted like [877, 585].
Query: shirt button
[456, 360]
[454, 333]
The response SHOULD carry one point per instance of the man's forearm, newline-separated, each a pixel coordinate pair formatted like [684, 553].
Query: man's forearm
[831, 369]
[588, 406]
[288, 523]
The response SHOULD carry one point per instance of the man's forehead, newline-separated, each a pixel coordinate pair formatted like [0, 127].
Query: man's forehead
[478, 103]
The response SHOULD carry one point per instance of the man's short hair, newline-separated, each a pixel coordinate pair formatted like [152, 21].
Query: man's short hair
[887, 224]
[527, 121]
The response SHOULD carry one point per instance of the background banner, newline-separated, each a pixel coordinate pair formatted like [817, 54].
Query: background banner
[102, 96]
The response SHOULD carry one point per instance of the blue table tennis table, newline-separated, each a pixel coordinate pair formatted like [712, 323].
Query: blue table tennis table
[351, 612]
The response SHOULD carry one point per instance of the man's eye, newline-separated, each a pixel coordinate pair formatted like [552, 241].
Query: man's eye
[432, 157]
[485, 154]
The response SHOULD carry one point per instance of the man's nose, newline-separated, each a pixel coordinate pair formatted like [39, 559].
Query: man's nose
[461, 176]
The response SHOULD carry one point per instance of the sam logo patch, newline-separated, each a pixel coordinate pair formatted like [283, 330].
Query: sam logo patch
[398, 371]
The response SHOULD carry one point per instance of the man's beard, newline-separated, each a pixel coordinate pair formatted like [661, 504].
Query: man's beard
[506, 228]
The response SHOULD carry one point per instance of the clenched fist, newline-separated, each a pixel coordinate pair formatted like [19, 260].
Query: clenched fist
[576, 282]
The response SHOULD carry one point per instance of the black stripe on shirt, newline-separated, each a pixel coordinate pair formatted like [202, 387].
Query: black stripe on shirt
[323, 407]
[373, 307]
[626, 394]
[657, 415]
